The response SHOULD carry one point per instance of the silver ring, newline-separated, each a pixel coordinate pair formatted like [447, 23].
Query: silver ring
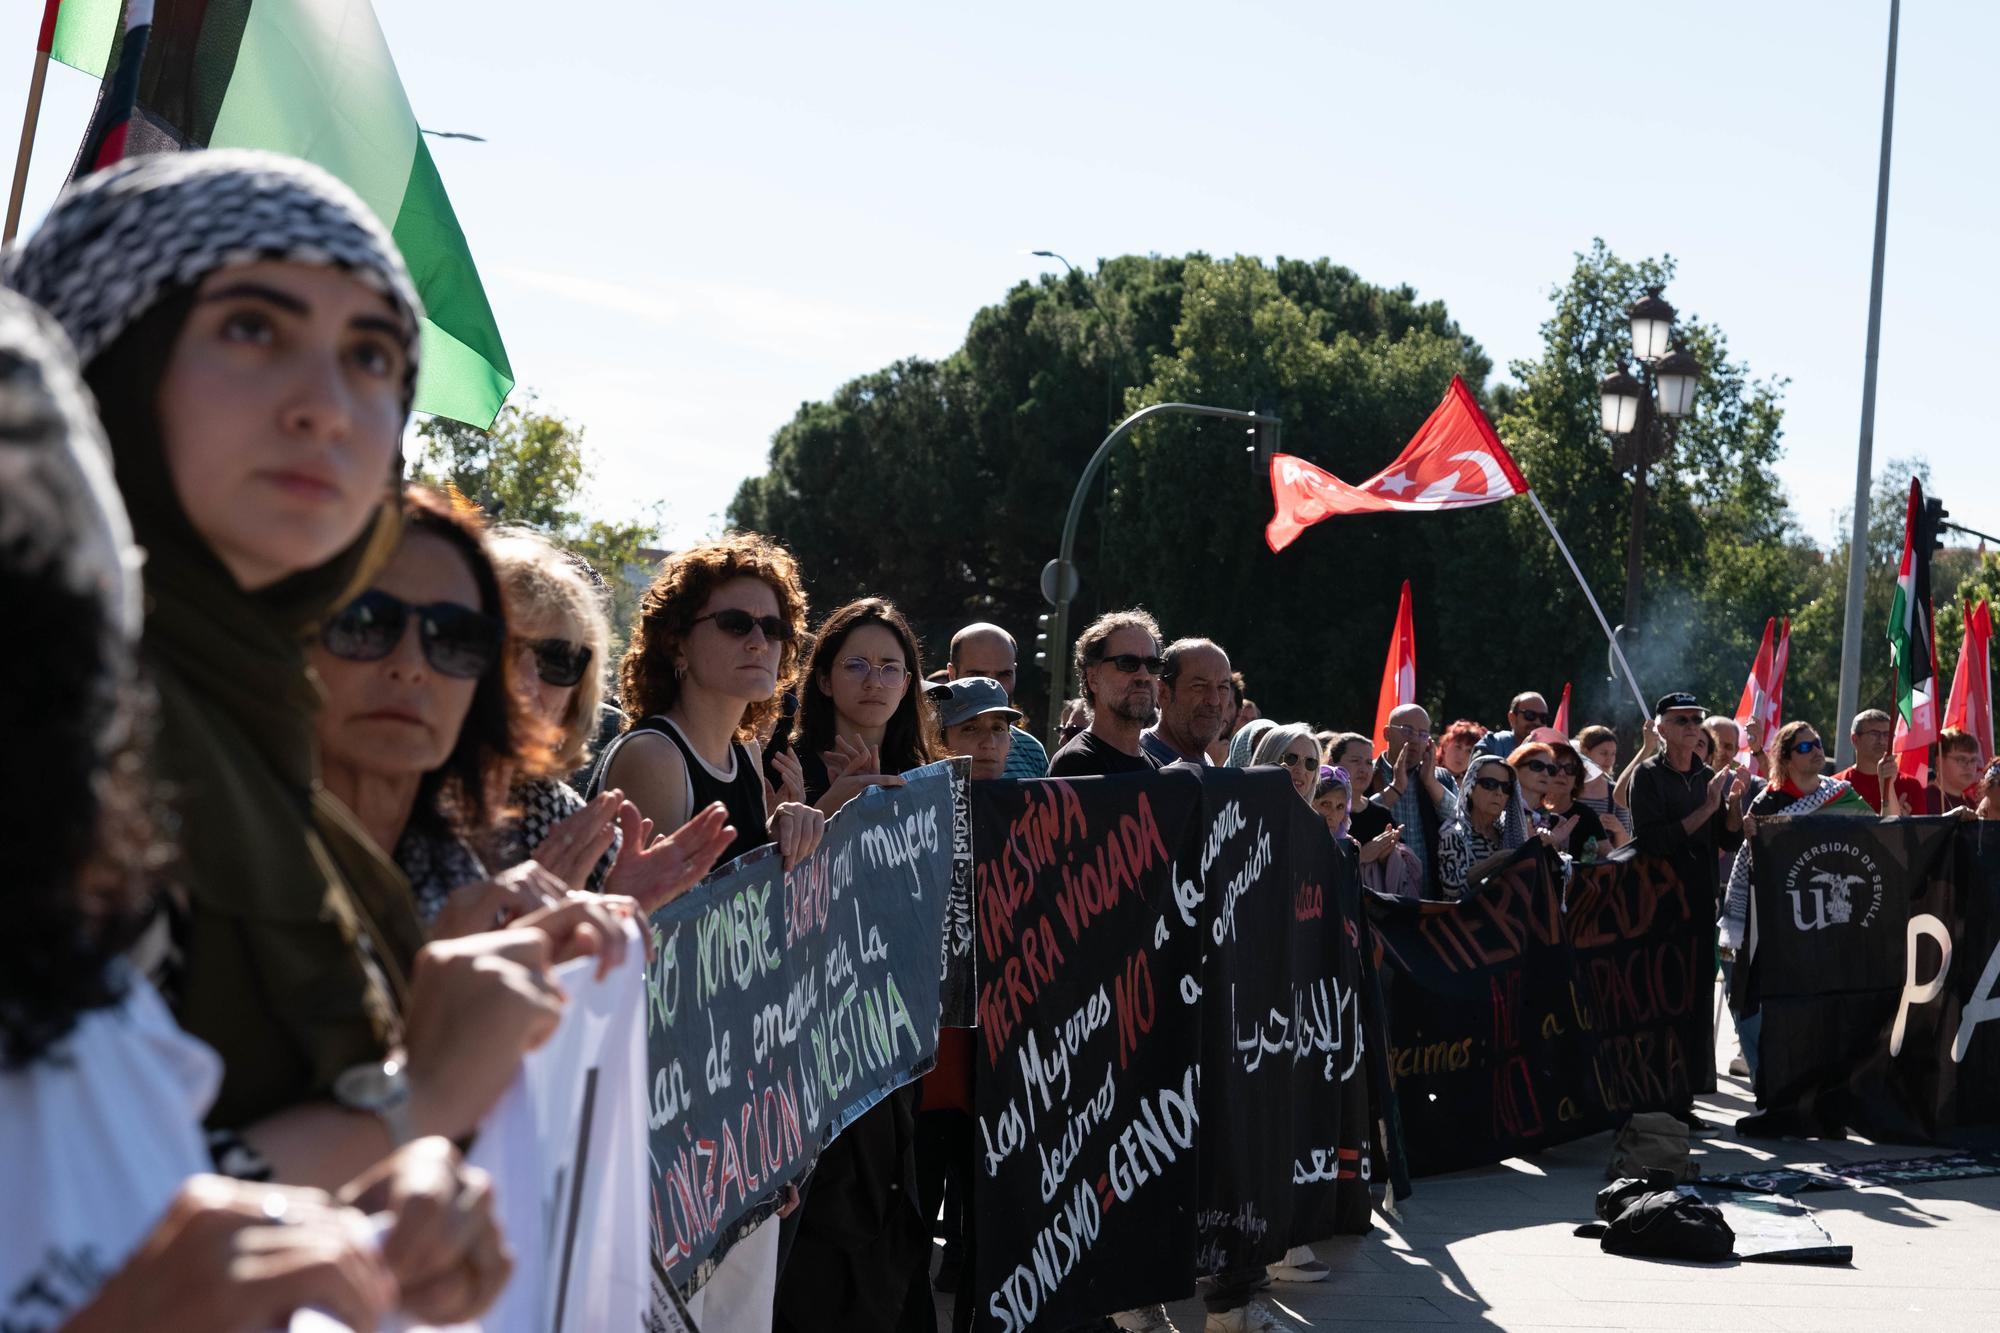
[274, 1207]
[499, 918]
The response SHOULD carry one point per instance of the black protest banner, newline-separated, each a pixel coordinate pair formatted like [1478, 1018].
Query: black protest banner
[1517, 1020]
[1875, 960]
[1168, 1030]
[782, 1004]
[1284, 1127]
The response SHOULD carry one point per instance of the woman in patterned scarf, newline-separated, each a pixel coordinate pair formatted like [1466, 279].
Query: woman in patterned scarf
[251, 336]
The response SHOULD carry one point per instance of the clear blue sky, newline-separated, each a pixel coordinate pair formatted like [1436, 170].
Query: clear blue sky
[692, 218]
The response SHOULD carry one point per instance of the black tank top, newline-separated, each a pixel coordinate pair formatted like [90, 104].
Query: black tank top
[742, 796]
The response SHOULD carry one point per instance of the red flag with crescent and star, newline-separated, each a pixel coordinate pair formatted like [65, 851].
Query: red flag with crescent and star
[1454, 461]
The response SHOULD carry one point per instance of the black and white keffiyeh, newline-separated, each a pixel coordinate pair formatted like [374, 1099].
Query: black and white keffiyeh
[123, 238]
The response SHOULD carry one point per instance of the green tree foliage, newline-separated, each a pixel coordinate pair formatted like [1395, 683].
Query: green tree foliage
[532, 468]
[944, 485]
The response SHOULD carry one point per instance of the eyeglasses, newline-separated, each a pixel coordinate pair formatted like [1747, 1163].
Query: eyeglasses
[737, 624]
[1873, 734]
[1809, 747]
[1493, 784]
[1681, 720]
[860, 670]
[1129, 663]
[1531, 717]
[1413, 733]
[558, 661]
[457, 641]
[1542, 766]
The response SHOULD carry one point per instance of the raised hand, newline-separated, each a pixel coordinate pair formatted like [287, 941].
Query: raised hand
[792, 780]
[578, 840]
[655, 871]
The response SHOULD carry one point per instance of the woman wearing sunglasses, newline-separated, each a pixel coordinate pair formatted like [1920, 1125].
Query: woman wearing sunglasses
[427, 737]
[1549, 773]
[250, 334]
[716, 641]
[859, 1250]
[1295, 749]
[1799, 786]
[1484, 827]
[863, 718]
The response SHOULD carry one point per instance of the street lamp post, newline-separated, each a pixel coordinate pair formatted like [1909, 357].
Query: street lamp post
[1643, 413]
[1059, 580]
[1110, 371]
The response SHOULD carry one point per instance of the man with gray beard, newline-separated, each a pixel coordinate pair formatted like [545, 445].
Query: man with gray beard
[1118, 662]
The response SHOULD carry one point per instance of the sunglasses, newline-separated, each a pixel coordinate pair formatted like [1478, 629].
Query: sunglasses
[737, 624]
[1542, 766]
[1292, 759]
[559, 662]
[1809, 747]
[1532, 717]
[1493, 784]
[1129, 663]
[457, 640]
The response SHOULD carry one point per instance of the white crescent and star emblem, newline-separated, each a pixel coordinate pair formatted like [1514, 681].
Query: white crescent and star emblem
[1444, 491]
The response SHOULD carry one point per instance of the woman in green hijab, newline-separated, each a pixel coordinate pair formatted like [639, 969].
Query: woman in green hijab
[250, 333]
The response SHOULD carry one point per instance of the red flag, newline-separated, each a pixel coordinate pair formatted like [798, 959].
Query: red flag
[1399, 673]
[1454, 461]
[1562, 712]
[1971, 706]
[1755, 705]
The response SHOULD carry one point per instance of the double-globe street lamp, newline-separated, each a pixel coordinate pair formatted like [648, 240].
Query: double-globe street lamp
[1644, 413]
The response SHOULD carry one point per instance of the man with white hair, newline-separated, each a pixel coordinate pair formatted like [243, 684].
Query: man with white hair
[1418, 794]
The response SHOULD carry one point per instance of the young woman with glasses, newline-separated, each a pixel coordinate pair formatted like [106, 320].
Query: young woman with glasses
[859, 1252]
[863, 718]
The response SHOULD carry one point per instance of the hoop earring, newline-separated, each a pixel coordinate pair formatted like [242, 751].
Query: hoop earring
[680, 672]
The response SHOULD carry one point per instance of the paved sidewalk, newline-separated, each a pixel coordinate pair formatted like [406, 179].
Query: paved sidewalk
[1493, 1247]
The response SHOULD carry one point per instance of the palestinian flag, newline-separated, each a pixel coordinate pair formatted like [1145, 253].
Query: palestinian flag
[1913, 648]
[314, 79]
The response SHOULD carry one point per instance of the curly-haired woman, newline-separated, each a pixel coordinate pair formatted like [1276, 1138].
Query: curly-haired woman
[717, 639]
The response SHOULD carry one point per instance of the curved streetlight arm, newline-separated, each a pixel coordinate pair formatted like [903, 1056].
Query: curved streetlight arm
[1065, 572]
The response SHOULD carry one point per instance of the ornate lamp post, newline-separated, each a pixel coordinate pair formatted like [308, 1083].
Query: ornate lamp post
[1643, 414]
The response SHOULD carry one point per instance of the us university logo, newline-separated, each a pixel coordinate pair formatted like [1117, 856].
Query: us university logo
[1834, 884]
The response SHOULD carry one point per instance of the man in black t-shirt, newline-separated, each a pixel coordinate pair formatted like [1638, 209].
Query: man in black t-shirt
[1118, 662]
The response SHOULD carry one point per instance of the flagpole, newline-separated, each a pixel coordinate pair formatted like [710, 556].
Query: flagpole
[27, 150]
[1638, 695]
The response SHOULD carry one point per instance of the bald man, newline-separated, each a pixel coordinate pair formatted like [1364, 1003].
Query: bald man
[987, 650]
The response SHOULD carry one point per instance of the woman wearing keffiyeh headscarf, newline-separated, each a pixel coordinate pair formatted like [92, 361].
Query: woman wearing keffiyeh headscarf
[1484, 828]
[250, 333]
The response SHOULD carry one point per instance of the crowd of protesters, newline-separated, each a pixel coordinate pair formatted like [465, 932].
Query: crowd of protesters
[307, 795]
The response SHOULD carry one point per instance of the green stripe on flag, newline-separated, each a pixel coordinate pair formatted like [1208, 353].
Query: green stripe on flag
[85, 30]
[465, 375]
[314, 79]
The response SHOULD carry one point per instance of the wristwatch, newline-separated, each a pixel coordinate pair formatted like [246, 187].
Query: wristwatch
[381, 1089]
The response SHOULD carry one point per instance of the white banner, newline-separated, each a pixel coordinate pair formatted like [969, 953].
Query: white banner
[566, 1148]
